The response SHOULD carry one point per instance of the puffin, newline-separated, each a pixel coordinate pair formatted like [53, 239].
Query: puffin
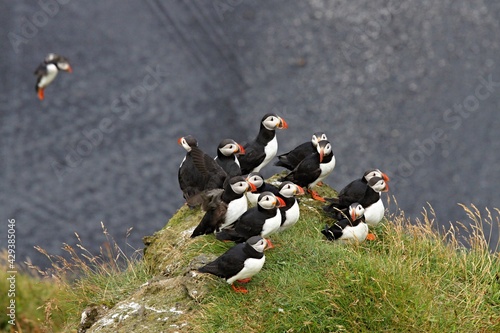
[47, 71]
[291, 159]
[198, 172]
[371, 201]
[262, 220]
[240, 263]
[261, 185]
[313, 169]
[227, 157]
[355, 190]
[351, 227]
[262, 150]
[223, 206]
[290, 213]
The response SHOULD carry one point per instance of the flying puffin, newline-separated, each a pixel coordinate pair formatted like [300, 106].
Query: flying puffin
[355, 190]
[47, 71]
[291, 159]
[262, 220]
[314, 168]
[261, 185]
[240, 263]
[223, 206]
[262, 150]
[198, 172]
[227, 157]
[371, 201]
[351, 227]
[290, 213]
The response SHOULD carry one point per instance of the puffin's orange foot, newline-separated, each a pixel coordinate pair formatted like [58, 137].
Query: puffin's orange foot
[320, 184]
[371, 237]
[242, 290]
[244, 280]
[40, 94]
[316, 196]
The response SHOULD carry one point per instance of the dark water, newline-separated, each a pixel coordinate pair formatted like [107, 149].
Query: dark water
[409, 88]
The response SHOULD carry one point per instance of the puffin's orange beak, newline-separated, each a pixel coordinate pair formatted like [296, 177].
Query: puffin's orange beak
[179, 141]
[242, 150]
[385, 177]
[283, 124]
[321, 155]
[353, 215]
[300, 190]
[281, 202]
[70, 70]
[252, 187]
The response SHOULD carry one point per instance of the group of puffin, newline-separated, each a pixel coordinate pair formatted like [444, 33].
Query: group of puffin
[240, 206]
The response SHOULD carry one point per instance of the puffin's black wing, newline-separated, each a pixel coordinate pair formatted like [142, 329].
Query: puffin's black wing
[291, 159]
[213, 174]
[211, 221]
[191, 182]
[306, 172]
[352, 192]
[336, 230]
[252, 158]
[41, 70]
[228, 264]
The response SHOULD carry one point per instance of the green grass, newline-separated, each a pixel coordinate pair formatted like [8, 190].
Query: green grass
[408, 280]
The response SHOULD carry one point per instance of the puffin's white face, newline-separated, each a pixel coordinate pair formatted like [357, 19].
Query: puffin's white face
[64, 66]
[380, 186]
[230, 148]
[373, 173]
[327, 149]
[267, 201]
[256, 180]
[182, 141]
[260, 246]
[356, 211]
[273, 122]
[240, 187]
[318, 137]
[291, 189]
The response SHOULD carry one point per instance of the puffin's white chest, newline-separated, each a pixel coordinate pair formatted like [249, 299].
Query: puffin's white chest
[292, 216]
[234, 210]
[49, 77]
[357, 233]
[326, 169]
[374, 213]
[251, 267]
[270, 149]
[271, 225]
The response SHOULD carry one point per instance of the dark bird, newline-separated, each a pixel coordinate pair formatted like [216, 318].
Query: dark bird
[223, 206]
[313, 169]
[227, 157]
[198, 172]
[256, 179]
[262, 220]
[355, 190]
[371, 201]
[262, 150]
[290, 213]
[240, 263]
[47, 71]
[291, 159]
[350, 227]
